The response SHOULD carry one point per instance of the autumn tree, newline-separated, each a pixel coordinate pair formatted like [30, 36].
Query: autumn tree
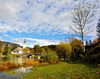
[1, 47]
[76, 47]
[32, 50]
[26, 50]
[42, 50]
[64, 49]
[46, 49]
[82, 16]
[36, 48]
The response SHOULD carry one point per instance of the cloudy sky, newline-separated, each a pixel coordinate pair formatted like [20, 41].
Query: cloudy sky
[41, 22]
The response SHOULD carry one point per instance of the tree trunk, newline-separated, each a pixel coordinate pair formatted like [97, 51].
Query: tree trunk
[64, 56]
[83, 44]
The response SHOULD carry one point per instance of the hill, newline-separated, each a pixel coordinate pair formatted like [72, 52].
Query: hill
[11, 45]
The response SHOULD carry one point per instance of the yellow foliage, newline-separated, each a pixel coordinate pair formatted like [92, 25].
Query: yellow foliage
[26, 50]
[64, 49]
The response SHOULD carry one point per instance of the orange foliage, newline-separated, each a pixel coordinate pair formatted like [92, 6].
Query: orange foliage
[95, 41]
[31, 62]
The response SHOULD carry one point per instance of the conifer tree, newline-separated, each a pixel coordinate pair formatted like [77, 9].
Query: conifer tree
[98, 29]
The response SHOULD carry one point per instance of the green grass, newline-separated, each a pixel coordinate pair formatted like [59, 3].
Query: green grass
[64, 70]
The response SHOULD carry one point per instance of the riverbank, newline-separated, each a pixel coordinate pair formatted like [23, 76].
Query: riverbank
[64, 70]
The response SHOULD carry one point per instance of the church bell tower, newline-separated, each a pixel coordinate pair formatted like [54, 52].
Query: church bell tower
[24, 43]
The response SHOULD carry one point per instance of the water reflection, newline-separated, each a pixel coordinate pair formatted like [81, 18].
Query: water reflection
[24, 69]
[19, 60]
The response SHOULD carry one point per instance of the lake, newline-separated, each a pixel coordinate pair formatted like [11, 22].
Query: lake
[19, 60]
[15, 73]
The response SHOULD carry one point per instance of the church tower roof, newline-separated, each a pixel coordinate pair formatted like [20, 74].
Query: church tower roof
[24, 40]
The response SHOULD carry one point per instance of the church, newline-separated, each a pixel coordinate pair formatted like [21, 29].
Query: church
[19, 50]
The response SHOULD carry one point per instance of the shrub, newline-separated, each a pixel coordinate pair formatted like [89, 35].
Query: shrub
[50, 57]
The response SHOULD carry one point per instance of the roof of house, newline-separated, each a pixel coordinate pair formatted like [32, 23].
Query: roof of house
[18, 49]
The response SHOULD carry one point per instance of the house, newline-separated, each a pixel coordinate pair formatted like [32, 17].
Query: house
[17, 50]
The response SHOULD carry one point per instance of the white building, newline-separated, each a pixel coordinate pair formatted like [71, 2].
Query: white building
[17, 50]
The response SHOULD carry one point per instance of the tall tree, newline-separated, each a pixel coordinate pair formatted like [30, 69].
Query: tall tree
[6, 50]
[90, 42]
[83, 16]
[98, 29]
[87, 44]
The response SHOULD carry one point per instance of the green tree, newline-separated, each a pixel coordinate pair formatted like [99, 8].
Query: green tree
[83, 15]
[64, 49]
[13, 48]
[6, 50]
[1, 47]
[36, 48]
[87, 44]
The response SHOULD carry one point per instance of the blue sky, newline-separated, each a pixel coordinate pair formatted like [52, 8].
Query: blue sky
[42, 22]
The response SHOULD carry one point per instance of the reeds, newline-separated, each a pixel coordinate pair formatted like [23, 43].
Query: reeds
[7, 65]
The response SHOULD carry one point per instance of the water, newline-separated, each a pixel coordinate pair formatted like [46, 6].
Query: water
[19, 60]
[17, 73]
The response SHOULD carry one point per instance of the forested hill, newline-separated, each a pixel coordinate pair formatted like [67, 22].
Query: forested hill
[10, 45]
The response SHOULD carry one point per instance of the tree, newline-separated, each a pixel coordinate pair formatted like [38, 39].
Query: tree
[26, 50]
[32, 50]
[43, 50]
[76, 47]
[98, 29]
[1, 47]
[36, 48]
[13, 47]
[96, 41]
[46, 49]
[87, 44]
[90, 42]
[6, 50]
[82, 16]
[64, 49]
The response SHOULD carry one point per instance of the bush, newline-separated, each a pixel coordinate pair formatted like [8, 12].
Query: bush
[50, 57]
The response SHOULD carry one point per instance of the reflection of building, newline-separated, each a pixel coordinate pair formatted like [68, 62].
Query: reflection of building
[17, 50]
[24, 43]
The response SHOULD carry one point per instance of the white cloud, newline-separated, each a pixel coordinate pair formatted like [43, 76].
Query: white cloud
[0, 38]
[5, 35]
[36, 16]
[31, 42]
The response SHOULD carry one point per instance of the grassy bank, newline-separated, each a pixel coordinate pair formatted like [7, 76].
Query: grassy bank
[64, 70]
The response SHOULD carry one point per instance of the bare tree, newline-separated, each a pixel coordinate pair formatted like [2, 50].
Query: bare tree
[82, 16]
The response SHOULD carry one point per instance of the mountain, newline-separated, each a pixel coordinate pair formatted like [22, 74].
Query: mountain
[11, 45]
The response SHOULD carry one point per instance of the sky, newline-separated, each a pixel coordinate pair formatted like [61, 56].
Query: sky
[40, 22]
